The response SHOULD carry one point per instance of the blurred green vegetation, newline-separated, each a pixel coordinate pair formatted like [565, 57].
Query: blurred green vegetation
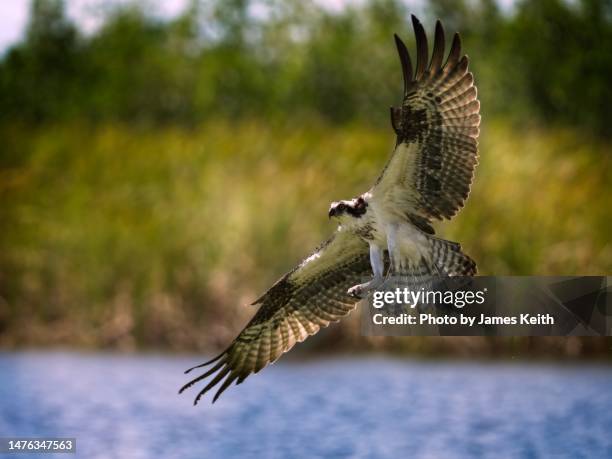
[545, 60]
[127, 236]
[159, 173]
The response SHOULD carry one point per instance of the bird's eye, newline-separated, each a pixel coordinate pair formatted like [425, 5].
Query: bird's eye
[341, 207]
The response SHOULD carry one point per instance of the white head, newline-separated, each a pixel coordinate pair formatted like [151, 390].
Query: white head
[348, 212]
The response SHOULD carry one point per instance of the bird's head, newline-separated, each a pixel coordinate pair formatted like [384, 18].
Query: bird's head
[345, 211]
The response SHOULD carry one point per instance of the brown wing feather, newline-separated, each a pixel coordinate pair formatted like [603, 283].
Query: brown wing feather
[437, 126]
[298, 305]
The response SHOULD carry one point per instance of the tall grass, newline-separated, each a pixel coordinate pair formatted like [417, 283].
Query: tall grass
[117, 236]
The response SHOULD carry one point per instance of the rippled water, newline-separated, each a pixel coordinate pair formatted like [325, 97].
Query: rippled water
[127, 407]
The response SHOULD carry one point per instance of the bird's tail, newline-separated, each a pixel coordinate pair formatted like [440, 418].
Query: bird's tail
[448, 259]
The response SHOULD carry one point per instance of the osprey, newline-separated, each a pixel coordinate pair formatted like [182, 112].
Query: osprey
[427, 178]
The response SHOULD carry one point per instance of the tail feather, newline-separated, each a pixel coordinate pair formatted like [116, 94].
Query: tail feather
[450, 260]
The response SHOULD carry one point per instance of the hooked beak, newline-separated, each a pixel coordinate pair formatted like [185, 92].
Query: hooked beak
[332, 212]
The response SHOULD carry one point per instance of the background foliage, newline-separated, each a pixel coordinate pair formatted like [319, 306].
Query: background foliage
[156, 174]
[545, 59]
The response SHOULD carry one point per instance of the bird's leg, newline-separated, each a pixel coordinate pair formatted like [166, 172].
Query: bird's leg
[395, 257]
[378, 267]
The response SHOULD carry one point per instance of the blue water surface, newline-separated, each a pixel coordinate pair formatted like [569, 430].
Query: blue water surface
[126, 406]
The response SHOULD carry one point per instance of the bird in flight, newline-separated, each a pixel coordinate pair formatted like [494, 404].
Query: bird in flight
[388, 228]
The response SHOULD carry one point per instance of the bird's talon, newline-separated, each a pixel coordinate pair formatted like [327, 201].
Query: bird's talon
[356, 292]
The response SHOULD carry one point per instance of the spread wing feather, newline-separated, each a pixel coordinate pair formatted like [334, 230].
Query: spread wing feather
[298, 305]
[437, 127]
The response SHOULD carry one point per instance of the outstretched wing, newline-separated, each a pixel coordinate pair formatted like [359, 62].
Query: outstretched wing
[431, 169]
[298, 305]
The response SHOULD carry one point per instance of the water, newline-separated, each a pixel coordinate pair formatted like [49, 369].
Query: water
[128, 407]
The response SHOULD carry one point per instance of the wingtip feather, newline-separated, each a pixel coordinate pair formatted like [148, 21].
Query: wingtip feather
[438, 48]
[219, 376]
[228, 381]
[214, 359]
[405, 62]
[422, 48]
[455, 50]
